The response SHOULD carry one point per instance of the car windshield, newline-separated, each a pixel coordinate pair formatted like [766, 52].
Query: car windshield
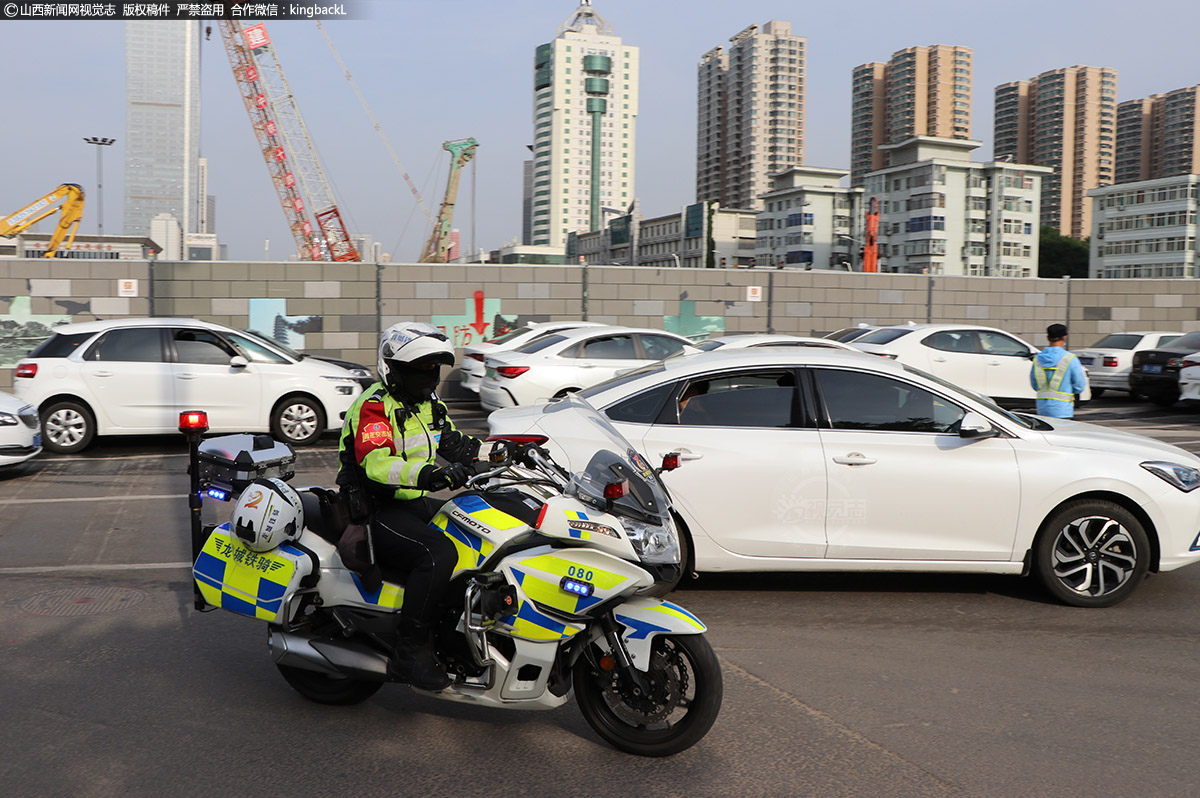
[979, 398]
[884, 336]
[1118, 341]
[282, 347]
[508, 336]
[542, 343]
[1191, 341]
[613, 460]
[622, 378]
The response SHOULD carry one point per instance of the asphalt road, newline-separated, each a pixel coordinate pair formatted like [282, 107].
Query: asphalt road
[835, 684]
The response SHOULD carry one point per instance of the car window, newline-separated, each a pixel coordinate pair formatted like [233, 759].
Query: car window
[884, 336]
[1118, 341]
[508, 336]
[952, 341]
[1167, 340]
[745, 399]
[616, 347]
[859, 401]
[708, 346]
[129, 345]
[541, 343]
[621, 379]
[1190, 341]
[660, 346]
[60, 345]
[994, 343]
[642, 408]
[254, 351]
[201, 346]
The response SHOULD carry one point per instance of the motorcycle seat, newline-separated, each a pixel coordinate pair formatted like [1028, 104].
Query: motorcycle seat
[316, 520]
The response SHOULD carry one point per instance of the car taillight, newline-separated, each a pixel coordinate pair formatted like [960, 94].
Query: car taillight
[536, 440]
[1187, 362]
[1110, 362]
[475, 356]
[511, 371]
[887, 355]
[26, 370]
[1174, 362]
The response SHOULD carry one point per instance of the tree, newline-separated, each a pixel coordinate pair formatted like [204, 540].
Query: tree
[1060, 255]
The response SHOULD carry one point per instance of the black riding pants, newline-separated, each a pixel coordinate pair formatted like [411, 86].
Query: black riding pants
[404, 541]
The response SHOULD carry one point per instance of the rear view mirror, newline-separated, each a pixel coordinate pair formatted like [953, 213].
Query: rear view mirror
[238, 362]
[975, 426]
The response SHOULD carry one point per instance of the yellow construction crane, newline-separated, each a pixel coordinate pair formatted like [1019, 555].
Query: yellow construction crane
[70, 195]
[438, 245]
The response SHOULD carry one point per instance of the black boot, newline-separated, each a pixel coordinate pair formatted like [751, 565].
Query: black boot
[413, 660]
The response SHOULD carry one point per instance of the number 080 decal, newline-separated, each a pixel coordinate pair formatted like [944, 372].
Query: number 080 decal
[579, 573]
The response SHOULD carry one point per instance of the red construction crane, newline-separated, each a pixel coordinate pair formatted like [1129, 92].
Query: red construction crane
[871, 246]
[286, 146]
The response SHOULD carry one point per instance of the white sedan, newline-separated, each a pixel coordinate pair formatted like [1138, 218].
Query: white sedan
[1109, 360]
[811, 460]
[20, 438]
[570, 360]
[985, 360]
[471, 366]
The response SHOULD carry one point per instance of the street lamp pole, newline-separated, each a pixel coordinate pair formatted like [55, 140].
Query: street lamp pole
[100, 143]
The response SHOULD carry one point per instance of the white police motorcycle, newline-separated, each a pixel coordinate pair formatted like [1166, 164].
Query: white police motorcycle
[554, 590]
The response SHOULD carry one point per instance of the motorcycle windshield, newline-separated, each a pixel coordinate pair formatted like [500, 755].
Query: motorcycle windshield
[614, 461]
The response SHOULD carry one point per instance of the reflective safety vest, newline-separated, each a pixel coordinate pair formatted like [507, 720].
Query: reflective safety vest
[1049, 381]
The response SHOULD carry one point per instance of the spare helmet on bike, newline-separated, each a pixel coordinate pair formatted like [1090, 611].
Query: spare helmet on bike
[411, 355]
[267, 514]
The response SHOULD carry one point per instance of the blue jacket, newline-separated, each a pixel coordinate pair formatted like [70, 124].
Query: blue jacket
[1073, 382]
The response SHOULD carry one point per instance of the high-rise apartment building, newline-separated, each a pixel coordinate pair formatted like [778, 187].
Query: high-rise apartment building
[921, 91]
[750, 114]
[1064, 119]
[585, 106]
[162, 124]
[1159, 136]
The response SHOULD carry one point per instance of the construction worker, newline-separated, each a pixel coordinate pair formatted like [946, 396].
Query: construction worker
[390, 439]
[1057, 375]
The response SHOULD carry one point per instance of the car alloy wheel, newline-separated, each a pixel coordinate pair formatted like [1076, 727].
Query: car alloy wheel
[1093, 554]
[298, 421]
[67, 428]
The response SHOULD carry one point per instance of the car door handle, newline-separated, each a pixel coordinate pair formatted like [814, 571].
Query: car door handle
[855, 459]
[994, 363]
[102, 373]
[187, 375]
[684, 454]
[939, 360]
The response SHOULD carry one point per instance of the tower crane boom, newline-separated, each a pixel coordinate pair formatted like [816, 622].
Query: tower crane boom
[438, 246]
[67, 199]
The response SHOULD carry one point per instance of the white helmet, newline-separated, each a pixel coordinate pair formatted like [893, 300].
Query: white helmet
[407, 345]
[267, 514]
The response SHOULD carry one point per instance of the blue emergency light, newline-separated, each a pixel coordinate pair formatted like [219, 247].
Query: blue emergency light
[579, 588]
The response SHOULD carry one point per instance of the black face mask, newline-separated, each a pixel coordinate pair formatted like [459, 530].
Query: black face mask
[413, 386]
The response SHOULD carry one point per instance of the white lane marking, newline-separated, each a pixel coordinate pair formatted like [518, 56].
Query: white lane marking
[95, 499]
[141, 566]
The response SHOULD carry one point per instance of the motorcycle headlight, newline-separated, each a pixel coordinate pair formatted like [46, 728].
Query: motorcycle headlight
[655, 545]
[1183, 477]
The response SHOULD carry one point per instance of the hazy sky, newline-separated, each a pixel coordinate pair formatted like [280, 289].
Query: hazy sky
[434, 70]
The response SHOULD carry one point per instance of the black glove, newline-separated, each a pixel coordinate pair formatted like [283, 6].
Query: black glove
[452, 476]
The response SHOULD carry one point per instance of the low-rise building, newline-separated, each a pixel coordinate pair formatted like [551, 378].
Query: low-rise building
[701, 235]
[1146, 228]
[89, 247]
[810, 221]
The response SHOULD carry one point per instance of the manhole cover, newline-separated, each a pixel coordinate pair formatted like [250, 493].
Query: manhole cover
[82, 601]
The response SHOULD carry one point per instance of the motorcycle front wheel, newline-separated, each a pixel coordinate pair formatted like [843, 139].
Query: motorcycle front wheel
[325, 689]
[682, 702]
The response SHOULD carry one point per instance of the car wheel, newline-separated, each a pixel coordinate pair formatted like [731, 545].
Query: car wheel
[1092, 553]
[298, 420]
[1097, 393]
[68, 427]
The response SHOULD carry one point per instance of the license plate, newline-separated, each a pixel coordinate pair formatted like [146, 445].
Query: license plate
[1152, 368]
[1087, 361]
[489, 373]
[37, 439]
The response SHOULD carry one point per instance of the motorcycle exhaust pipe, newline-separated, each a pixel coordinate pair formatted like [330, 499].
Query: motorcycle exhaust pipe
[325, 655]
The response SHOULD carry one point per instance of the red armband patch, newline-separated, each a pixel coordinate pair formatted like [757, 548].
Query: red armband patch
[374, 431]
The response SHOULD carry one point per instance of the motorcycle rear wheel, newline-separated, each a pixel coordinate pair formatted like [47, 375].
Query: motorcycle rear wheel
[686, 687]
[325, 689]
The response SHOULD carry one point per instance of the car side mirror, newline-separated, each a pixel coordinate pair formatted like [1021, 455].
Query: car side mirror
[1031, 355]
[238, 362]
[975, 426]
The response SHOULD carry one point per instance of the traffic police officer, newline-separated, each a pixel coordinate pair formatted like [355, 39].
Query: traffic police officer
[1057, 375]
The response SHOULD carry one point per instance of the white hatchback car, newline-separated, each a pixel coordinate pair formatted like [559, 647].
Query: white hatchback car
[135, 376]
[1109, 360]
[570, 360]
[20, 438]
[985, 360]
[472, 366]
[798, 459]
